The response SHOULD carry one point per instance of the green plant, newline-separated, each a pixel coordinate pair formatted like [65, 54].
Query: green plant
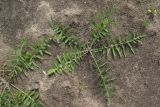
[64, 37]
[82, 86]
[152, 10]
[26, 55]
[146, 23]
[116, 47]
[17, 98]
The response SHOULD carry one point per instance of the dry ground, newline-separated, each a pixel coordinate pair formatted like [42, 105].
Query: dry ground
[137, 76]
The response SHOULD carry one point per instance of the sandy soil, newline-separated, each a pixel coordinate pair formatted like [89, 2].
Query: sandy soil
[137, 76]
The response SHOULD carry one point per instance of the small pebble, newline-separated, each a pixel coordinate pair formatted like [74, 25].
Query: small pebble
[33, 86]
[66, 84]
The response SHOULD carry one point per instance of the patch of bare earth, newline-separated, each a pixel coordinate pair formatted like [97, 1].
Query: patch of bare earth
[137, 76]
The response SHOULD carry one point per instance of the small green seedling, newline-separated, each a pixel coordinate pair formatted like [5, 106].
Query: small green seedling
[146, 23]
[152, 10]
[82, 86]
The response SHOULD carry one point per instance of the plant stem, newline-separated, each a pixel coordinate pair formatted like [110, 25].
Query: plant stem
[102, 78]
